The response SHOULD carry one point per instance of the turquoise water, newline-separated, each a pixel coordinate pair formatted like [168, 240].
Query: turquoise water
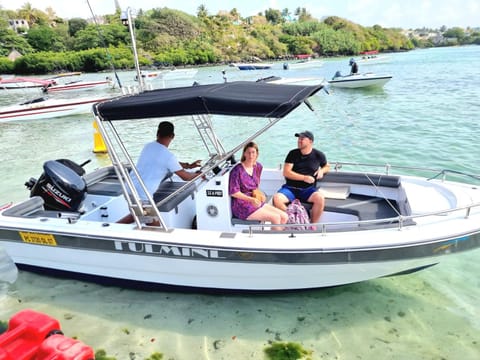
[427, 115]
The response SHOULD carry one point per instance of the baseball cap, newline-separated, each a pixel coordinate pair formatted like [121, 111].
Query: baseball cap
[306, 133]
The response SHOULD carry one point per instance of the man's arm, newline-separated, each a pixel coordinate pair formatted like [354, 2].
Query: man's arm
[192, 165]
[292, 175]
[186, 175]
[322, 171]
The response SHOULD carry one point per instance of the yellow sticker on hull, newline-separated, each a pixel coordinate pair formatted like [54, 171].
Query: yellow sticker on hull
[37, 238]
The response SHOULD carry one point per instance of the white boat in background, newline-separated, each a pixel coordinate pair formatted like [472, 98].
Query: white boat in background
[24, 83]
[252, 66]
[377, 222]
[169, 74]
[293, 80]
[75, 85]
[173, 74]
[372, 57]
[302, 64]
[356, 81]
[46, 107]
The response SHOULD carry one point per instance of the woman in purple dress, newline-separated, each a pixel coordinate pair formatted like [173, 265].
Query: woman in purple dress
[244, 178]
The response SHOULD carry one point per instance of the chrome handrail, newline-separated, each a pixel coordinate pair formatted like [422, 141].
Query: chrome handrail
[401, 219]
[337, 165]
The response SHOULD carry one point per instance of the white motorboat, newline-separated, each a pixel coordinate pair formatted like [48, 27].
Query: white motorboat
[169, 74]
[376, 223]
[73, 84]
[24, 83]
[293, 80]
[372, 57]
[46, 107]
[359, 80]
[252, 66]
[303, 64]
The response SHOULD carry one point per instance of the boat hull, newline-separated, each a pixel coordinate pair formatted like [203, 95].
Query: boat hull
[253, 66]
[230, 262]
[79, 86]
[359, 81]
[48, 109]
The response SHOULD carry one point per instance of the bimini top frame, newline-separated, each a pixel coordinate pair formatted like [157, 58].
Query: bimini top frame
[249, 99]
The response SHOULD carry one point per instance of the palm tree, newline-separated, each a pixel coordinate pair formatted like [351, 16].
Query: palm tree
[202, 11]
[27, 12]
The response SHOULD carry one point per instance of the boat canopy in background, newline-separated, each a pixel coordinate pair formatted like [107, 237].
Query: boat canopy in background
[240, 98]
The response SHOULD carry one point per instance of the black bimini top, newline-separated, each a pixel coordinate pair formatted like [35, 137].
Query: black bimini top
[240, 98]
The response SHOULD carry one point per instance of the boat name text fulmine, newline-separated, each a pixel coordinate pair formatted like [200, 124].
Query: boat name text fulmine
[174, 251]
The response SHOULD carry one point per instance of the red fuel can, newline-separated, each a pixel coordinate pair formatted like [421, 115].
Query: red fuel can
[59, 347]
[26, 332]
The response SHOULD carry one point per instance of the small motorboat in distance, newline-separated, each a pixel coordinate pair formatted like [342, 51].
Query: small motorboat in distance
[167, 74]
[302, 62]
[252, 66]
[359, 80]
[46, 107]
[372, 57]
[22, 83]
[72, 84]
[379, 220]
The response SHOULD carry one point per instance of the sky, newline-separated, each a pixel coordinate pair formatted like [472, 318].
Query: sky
[406, 14]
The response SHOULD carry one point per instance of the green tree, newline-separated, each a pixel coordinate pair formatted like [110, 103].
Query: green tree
[75, 25]
[455, 32]
[274, 16]
[10, 40]
[44, 38]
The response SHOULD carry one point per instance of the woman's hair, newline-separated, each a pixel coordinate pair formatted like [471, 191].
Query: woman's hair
[249, 145]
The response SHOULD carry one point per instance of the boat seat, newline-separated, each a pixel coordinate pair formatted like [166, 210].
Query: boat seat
[237, 221]
[333, 208]
[167, 188]
[27, 208]
[361, 206]
[109, 186]
[391, 181]
[103, 182]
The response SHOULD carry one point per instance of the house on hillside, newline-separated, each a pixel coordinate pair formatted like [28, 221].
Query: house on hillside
[18, 25]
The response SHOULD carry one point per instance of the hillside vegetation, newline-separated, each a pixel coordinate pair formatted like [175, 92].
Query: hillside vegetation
[167, 37]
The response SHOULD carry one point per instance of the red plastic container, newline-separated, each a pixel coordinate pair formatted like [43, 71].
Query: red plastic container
[59, 347]
[26, 332]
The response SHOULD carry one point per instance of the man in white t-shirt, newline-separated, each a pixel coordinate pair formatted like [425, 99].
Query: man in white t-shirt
[156, 162]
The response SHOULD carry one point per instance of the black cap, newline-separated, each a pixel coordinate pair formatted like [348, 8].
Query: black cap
[306, 133]
[165, 128]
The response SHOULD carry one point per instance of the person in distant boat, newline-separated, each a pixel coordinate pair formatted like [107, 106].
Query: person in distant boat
[302, 168]
[244, 186]
[353, 66]
[157, 162]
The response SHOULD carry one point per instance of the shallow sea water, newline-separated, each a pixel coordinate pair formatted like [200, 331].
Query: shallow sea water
[427, 115]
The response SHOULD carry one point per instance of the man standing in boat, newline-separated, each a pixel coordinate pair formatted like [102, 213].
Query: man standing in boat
[303, 167]
[353, 67]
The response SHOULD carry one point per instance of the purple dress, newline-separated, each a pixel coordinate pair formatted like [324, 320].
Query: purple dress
[241, 181]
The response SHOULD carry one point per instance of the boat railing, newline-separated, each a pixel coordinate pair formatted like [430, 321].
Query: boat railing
[400, 222]
[388, 168]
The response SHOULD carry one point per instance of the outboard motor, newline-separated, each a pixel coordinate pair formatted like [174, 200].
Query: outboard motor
[337, 75]
[61, 185]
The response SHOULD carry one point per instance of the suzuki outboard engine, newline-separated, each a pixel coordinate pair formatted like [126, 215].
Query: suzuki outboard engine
[61, 185]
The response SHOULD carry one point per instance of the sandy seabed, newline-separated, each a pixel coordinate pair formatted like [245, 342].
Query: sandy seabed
[433, 314]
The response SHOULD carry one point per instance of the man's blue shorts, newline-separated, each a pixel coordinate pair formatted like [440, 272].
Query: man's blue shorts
[292, 193]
